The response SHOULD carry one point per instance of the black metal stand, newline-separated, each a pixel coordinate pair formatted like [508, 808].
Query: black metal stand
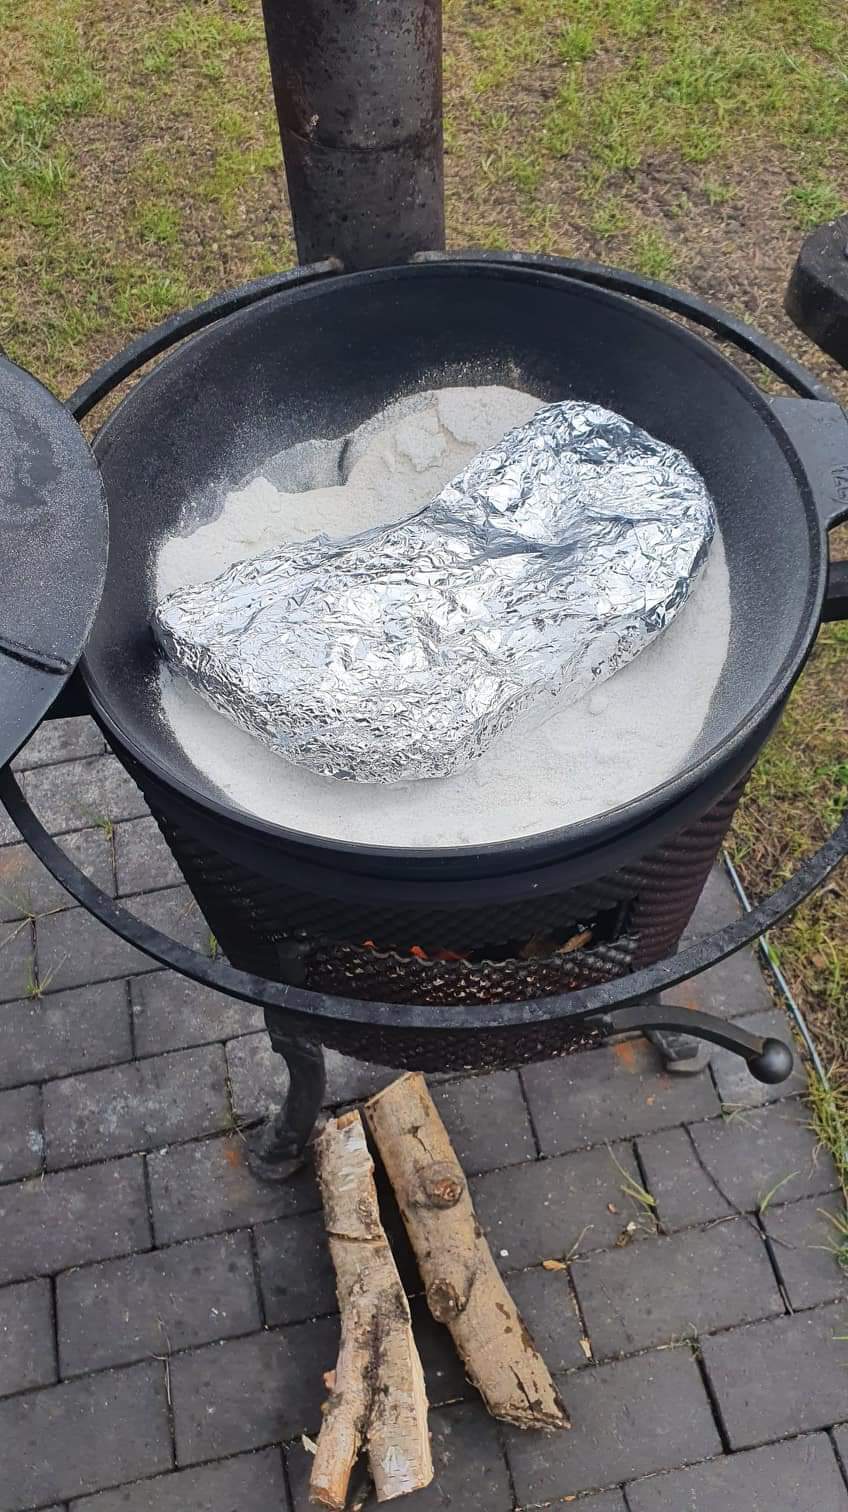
[278, 1148]
[768, 1060]
[294, 1015]
[817, 296]
[682, 1054]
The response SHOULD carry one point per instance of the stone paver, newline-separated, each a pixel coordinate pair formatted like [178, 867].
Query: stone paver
[545, 1210]
[83, 1435]
[486, 1118]
[70, 1217]
[142, 858]
[21, 1139]
[247, 1483]
[733, 989]
[64, 1032]
[27, 889]
[737, 1088]
[278, 1373]
[628, 1418]
[206, 1188]
[27, 1347]
[73, 947]
[350, 1080]
[154, 1304]
[171, 1013]
[800, 1473]
[804, 1239]
[683, 1191]
[17, 961]
[444, 1373]
[136, 1106]
[396, 1233]
[736, 986]
[840, 1440]
[174, 911]
[781, 1377]
[92, 791]
[60, 740]
[259, 1078]
[297, 1276]
[470, 1470]
[545, 1302]
[232, 1314]
[608, 1501]
[608, 1094]
[765, 1154]
[659, 1290]
[9, 832]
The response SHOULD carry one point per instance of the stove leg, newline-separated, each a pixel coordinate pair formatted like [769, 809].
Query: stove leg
[682, 1054]
[278, 1148]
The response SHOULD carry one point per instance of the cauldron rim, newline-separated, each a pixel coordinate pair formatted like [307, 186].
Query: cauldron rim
[727, 758]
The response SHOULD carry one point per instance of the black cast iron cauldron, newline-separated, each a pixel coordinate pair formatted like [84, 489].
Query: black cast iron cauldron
[315, 353]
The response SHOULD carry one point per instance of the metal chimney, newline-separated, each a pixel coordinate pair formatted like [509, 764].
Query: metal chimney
[358, 90]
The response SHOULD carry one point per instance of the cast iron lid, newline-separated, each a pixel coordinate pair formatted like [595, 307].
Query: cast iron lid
[54, 538]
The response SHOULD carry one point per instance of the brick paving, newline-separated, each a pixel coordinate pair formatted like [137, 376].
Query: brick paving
[165, 1320]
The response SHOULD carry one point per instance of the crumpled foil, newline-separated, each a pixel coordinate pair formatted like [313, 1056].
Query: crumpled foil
[550, 561]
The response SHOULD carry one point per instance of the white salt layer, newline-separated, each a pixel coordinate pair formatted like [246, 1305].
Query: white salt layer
[624, 738]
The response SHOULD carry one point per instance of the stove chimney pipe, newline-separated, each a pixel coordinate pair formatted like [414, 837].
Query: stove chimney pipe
[358, 90]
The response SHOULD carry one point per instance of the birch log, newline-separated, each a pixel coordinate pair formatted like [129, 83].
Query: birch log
[377, 1401]
[464, 1287]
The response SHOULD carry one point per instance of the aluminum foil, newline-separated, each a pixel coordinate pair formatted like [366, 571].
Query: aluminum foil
[550, 561]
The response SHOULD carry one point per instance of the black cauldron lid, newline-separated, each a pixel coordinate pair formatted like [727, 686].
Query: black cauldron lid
[54, 538]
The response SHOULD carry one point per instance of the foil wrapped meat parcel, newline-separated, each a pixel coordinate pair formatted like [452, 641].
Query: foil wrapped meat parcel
[550, 561]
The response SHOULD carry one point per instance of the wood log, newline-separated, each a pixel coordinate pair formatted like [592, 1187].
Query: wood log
[464, 1287]
[377, 1400]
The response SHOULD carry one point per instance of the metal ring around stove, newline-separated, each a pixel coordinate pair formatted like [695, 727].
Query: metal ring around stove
[304, 1008]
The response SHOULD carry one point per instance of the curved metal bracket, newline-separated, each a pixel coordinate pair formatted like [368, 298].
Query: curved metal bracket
[184, 323]
[305, 1009]
[722, 324]
[768, 1060]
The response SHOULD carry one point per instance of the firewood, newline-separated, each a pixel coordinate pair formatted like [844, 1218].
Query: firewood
[377, 1398]
[464, 1287]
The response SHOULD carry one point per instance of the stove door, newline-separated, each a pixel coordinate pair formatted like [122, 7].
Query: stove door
[54, 538]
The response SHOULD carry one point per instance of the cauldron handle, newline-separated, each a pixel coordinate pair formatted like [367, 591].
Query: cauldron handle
[819, 433]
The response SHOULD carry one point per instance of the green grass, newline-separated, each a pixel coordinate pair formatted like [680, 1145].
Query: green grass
[652, 254]
[131, 181]
[812, 204]
[197, 40]
[830, 1121]
[34, 164]
[838, 1243]
[768, 1198]
[157, 221]
[611, 88]
[797, 794]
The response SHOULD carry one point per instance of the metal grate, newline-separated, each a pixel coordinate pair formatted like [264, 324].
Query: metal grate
[636, 916]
